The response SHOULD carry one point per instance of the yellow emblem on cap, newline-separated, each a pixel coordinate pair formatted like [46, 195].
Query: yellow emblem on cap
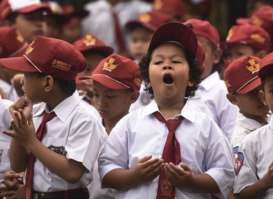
[60, 65]
[230, 34]
[256, 21]
[89, 40]
[257, 38]
[145, 18]
[19, 37]
[158, 4]
[110, 65]
[253, 66]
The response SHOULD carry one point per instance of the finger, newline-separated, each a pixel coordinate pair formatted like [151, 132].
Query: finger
[23, 120]
[10, 133]
[150, 162]
[172, 171]
[7, 193]
[154, 166]
[178, 169]
[185, 167]
[144, 159]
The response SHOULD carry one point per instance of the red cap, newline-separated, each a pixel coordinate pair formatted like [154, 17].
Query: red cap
[241, 21]
[267, 64]
[175, 32]
[7, 7]
[117, 72]
[241, 75]
[48, 55]
[263, 17]
[250, 35]
[150, 20]
[11, 41]
[174, 8]
[91, 43]
[205, 29]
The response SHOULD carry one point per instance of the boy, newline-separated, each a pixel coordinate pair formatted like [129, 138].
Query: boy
[116, 86]
[246, 39]
[243, 84]
[255, 177]
[212, 89]
[59, 158]
[149, 153]
[140, 32]
[94, 50]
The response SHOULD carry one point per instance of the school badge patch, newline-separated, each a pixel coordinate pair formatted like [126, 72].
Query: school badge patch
[239, 159]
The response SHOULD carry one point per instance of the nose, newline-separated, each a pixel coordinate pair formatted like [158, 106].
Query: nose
[167, 67]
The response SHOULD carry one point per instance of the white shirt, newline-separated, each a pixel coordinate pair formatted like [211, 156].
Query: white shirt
[100, 20]
[5, 119]
[9, 90]
[77, 133]
[203, 148]
[213, 92]
[243, 127]
[257, 156]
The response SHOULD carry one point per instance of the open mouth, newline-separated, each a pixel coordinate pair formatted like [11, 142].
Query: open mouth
[168, 78]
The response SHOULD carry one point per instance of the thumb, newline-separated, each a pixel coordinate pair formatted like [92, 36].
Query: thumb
[145, 158]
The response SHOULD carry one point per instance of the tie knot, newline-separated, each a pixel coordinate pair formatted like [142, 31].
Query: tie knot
[171, 124]
[48, 116]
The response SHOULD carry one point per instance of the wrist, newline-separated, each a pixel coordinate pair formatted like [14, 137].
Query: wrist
[30, 145]
[264, 184]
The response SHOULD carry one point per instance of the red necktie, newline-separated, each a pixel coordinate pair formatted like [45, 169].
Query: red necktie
[31, 159]
[118, 34]
[171, 153]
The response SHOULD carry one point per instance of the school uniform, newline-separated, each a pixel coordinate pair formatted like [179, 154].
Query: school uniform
[5, 140]
[76, 133]
[256, 156]
[243, 127]
[212, 91]
[202, 147]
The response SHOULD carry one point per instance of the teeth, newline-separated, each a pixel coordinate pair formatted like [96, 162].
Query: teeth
[168, 78]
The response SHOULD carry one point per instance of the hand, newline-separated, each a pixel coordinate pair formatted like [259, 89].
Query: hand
[146, 169]
[179, 175]
[24, 105]
[17, 82]
[267, 180]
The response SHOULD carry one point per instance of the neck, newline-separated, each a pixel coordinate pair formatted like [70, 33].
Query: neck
[52, 102]
[170, 108]
[109, 124]
[260, 119]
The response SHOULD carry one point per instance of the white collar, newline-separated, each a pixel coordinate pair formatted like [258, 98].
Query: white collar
[210, 81]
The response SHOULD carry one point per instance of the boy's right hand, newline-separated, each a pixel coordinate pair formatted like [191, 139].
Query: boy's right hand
[146, 169]
[267, 180]
[22, 106]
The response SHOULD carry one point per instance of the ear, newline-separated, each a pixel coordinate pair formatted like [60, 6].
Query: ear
[232, 98]
[48, 83]
[190, 84]
[262, 97]
[217, 55]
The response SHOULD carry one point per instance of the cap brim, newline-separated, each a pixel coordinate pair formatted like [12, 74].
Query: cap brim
[102, 49]
[175, 32]
[19, 64]
[34, 7]
[131, 25]
[251, 86]
[108, 82]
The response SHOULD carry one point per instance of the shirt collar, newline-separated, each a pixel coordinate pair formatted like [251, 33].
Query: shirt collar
[248, 123]
[210, 81]
[186, 111]
[63, 109]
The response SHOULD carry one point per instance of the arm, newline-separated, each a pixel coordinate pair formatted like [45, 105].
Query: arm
[18, 156]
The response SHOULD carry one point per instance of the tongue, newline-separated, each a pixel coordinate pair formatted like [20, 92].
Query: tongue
[168, 79]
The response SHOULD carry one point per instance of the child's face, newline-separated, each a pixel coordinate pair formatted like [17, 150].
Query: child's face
[31, 25]
[251, 105]
[237, 51]
[33, 87]
[212, 56]
[169, 73]
[268, 92]
[112, 104]
[139, 42]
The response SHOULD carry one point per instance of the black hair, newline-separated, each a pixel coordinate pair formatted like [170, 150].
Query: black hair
[67, 86]
[195, 71]
[268, 73]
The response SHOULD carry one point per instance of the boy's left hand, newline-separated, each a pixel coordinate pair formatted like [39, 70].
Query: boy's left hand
[179, 175]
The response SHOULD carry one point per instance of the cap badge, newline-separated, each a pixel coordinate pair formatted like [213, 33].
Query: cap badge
[230, 34]
[158, 4]
[253, 66]
[256, 21]
[257, 38]
[145, 18]
[58, 64]
[110, 65]
[89, 40]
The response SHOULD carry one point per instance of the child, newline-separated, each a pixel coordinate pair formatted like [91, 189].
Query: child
[140, 32]
[116, 86]
[60, 157]
[193, 164]
[212, 90]
[243, 84]
[255, 177]
[246, 39]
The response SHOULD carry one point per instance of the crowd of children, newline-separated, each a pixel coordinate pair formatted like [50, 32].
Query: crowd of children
[134, 99]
